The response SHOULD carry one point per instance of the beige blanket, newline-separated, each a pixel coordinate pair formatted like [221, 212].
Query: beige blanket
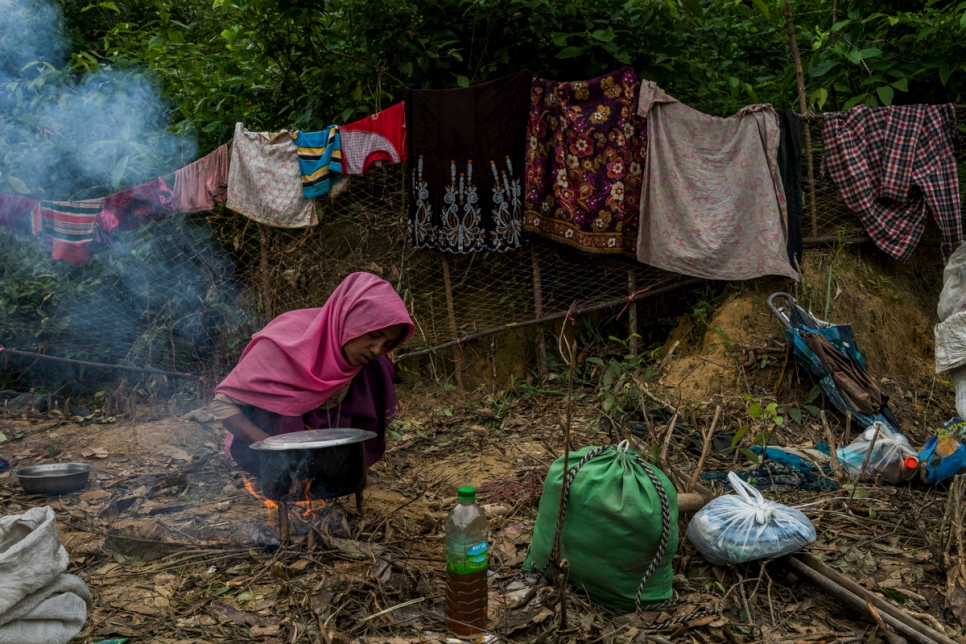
[713, 204]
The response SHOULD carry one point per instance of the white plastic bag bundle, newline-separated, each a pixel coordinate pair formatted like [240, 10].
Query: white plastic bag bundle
[951, 330]
[958, 377]
[39, 603]
[953, 297]
[892, 456]
[950, 338]
[745, 526]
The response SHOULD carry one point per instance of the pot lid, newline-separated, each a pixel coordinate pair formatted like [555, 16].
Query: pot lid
[314, 439]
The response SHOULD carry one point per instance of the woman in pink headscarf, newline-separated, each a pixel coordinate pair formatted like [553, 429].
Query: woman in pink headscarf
[318, 368]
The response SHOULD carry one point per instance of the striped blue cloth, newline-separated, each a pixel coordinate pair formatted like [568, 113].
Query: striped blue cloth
[320, 160]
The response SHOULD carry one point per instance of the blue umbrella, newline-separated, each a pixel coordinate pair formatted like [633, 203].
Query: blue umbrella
[799, 324]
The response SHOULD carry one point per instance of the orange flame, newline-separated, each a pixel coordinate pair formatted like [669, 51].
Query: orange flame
[306, 505]
[251, 490]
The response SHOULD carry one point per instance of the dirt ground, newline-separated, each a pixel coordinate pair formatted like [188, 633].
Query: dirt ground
[175, 550]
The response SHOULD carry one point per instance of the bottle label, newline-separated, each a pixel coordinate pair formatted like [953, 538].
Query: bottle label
[463, 559]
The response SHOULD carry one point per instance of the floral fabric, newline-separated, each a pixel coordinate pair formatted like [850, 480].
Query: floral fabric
[466, 165]
[585, 157]
[712, 203]
[264, 181]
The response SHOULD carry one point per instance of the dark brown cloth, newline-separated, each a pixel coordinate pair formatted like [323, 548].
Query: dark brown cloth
[466, 165]
[855, 384]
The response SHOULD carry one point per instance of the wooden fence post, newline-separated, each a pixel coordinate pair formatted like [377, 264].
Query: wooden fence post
[263, 234]
[541, 338]
[632, 343]
[451, 311]
[803, 106]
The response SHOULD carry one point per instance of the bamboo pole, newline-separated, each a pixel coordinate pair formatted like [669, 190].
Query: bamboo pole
[265, 273]
[632, 343]
[541, 337]
[835, 576]
[99, 365]
[803, 106]
[451, 312]
[858, 601]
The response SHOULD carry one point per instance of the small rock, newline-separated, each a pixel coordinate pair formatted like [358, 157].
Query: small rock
[495, 510]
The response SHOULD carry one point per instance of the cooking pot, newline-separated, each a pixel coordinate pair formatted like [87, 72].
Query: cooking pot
[334, 460]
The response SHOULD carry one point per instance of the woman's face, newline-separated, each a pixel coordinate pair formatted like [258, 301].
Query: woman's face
[362, 350]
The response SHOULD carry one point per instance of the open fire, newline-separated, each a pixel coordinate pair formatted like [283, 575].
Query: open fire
[298, 496]
[310, 512]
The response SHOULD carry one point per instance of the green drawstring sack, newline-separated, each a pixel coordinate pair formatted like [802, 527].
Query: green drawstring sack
[612, 529]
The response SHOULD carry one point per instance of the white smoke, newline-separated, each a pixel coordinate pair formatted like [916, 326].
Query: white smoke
[65, 135]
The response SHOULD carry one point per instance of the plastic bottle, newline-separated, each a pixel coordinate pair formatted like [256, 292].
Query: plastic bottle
[467, 555]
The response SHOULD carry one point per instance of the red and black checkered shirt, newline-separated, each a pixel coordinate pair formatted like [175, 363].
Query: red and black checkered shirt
[894, 166]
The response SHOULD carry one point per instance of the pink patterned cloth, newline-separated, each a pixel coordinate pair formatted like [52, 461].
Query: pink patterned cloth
[712, 204]
[264, 180]
[203, 185]
[295, 363]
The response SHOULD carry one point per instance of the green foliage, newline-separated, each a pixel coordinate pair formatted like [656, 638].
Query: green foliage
[881, 53]
[293, 63]
[771, 411]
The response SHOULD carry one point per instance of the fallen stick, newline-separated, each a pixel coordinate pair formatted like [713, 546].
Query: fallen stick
[283, 526]
[831, 573]
[865, 463]
[856, 597]
[691, 502]
[704, 449]
[888, 632]
[833, 451]
[662, 458]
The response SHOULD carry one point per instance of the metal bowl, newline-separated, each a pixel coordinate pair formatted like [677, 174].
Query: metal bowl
[54, 478]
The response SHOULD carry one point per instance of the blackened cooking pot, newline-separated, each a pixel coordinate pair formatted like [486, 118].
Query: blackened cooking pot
[334, 460]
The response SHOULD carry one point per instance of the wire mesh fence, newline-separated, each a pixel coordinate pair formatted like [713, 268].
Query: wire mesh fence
[184, 294]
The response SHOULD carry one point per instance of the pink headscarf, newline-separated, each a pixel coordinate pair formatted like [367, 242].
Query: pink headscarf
[295, 363]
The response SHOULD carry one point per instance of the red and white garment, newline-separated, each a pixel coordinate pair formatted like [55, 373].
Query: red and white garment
[374, 140]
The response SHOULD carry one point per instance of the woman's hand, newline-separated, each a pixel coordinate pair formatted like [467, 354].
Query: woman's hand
[244, 429]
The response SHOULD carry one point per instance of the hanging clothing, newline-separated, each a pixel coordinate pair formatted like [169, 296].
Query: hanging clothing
[375, 140]
[585, 158]
[203, 185]
[790, 168]
[712, 203]
[67, 228]
[320, 160]
[894, 167]
[466, 164]
[370, 403]
[264, 180]
[15, 212]
[137, 206]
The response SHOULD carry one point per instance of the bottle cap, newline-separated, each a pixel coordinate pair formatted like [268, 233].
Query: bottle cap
[466, 494]
[911, 462]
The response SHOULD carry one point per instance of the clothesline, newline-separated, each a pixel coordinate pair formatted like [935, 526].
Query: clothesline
[601, 166]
